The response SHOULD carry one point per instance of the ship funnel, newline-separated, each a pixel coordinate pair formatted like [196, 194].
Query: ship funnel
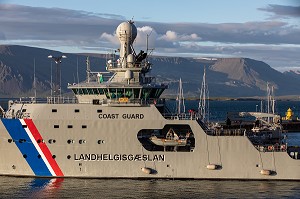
[126, 33]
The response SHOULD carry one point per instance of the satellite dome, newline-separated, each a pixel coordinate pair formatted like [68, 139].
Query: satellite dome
[126, 31]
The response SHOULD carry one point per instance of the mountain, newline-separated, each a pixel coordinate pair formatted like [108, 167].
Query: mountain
[226, 77]
[292, 74]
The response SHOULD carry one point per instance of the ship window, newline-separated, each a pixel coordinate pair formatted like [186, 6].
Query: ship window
[24, 156]
[75, 90]
[112, 93]
[79, 90]
[53, 156]
[76, 110]
[128, 92]
[54, 110]
[23, 110]
[39, 156]
[84, 126]
[136, 93]
[70, 126]
[146, 93]
[96, 101]
[99, 111]
[100, 91]
[9, 140]
[95, 91]
[56, 126]
[69, 157]
[24, 126]
[84, 90]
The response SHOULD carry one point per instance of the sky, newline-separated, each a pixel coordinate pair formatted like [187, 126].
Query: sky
[265, 30]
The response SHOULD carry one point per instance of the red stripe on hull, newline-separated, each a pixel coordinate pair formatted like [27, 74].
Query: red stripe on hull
[37, 136]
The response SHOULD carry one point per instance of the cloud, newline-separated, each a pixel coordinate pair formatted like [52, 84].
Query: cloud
[174, 36]
[276, 41]
[282, 10]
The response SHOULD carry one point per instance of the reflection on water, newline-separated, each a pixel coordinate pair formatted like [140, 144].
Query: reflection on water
[12, 187]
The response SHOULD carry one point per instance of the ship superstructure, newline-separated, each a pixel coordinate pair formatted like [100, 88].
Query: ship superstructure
[118, 127]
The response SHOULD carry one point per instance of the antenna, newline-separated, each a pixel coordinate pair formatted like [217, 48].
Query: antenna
[77, 75]
[88, 69]
[51, 81]
[34, 80]
[147, 43]
[203, 107]
[180, 98]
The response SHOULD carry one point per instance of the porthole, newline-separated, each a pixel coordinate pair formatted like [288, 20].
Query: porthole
[99, 111]
[84, 126]
[52, 141]
[53, 156]
[56, 126]
[70, 126]
[39, 156]
[101, 141]
[22, 140]
[40, 141]
[82, 141]
[24, 126]
[9, 140]
[76, 110]
[70, 141]
[69, 157]
[24, 156]
[54, 110]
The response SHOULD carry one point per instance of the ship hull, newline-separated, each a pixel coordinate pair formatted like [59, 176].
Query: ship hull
[85, 140]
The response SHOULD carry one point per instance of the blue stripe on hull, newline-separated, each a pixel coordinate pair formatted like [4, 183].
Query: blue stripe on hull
[17, 132]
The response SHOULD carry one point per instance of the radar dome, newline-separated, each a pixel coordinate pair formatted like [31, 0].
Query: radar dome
[126, 31]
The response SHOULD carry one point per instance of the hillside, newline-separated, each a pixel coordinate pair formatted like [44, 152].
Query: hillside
[226, 77]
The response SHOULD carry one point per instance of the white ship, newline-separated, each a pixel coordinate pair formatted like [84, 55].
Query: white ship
[117, 127]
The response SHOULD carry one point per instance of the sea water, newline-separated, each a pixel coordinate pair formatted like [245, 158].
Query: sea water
[13, 187]
[21, 187]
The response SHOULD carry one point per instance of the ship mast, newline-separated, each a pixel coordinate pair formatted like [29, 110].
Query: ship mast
[180, 99]
[203, 108]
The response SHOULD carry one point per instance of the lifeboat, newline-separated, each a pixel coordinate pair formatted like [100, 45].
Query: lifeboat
[171, 139]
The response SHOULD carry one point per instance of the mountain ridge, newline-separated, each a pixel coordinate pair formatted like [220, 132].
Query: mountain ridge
[226, 77]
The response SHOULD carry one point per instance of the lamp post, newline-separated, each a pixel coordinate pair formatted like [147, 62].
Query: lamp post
[57, 86]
